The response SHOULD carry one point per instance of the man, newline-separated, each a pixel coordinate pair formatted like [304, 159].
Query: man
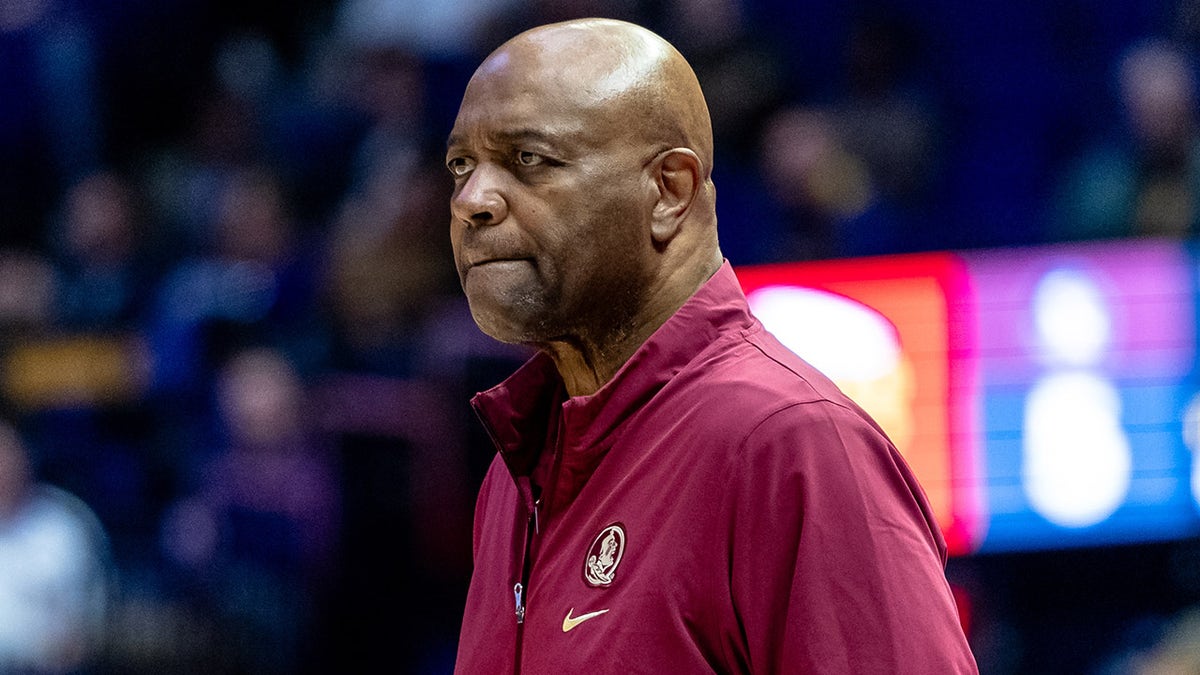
[674, 492]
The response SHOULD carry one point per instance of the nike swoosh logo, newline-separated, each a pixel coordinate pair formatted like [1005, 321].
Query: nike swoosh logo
[569, 622]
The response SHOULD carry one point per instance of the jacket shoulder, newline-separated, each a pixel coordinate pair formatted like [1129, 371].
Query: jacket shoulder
[752, 377]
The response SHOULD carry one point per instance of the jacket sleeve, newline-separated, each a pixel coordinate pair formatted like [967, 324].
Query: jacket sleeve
[836, 562]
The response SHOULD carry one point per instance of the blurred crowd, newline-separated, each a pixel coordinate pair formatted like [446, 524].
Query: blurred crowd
[231, 334]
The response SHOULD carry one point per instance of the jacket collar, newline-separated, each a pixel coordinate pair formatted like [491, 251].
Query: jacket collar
[518, 411]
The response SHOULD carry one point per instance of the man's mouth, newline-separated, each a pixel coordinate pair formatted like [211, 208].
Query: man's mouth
[498, 261]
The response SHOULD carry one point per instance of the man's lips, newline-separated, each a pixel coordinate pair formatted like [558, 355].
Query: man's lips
[497, 260]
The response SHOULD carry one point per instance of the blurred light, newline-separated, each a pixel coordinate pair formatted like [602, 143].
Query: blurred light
[1073, 324]
[430, 26]
[842, 338]
[72, 370]
[1191, 438]
[1077, 464]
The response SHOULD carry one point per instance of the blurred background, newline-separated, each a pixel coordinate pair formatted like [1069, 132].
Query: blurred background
[234, 358]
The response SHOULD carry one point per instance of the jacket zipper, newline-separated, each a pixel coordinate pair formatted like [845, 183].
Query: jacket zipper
[532, 497]
[521, 588]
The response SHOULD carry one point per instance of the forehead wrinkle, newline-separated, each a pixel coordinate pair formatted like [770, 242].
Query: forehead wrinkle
[482, 126]
[522, 135]
[496, 114]
[505, 136]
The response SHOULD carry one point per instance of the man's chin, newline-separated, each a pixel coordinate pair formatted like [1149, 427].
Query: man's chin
[504, 328]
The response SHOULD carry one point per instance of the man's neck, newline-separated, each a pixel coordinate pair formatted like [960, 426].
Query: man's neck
[585, 364]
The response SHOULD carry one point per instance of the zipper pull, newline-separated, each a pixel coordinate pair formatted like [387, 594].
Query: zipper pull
[536, 506]
[519, 592]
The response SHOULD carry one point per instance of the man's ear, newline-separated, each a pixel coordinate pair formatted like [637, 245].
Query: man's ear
[679, 177]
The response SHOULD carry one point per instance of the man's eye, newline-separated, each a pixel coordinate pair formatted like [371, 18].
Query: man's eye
[459, 166]
[526, 158]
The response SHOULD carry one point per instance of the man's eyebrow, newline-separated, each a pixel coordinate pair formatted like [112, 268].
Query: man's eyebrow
[509, 136]
[516, 135]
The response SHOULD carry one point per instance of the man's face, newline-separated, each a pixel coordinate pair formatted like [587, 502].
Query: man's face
[551, 204]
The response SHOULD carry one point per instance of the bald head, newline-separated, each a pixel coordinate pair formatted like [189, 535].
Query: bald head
[619, 70]
[583, 211]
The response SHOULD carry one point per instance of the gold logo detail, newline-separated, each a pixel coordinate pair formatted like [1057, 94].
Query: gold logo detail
[600, 566]
[569, 622]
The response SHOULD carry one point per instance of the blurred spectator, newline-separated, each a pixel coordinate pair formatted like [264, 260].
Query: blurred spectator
[1154, 644]
[254, 284]
[54, 584]
[317, 127]
[389, 88]
[99, 238]
[68, 58]
[228, 132]
[73, 386]
[1146, 181]
[50, 135]
[260, 530]
[389, 266]
[28, 285]
[1178, 652]
[432, 28]
[886, 118]
[831, 202]
[855, 176]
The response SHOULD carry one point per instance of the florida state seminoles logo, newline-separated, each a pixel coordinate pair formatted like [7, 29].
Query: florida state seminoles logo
[604, 556]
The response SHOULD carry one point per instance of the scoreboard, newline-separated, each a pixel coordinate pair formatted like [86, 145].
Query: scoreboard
[1045, 397]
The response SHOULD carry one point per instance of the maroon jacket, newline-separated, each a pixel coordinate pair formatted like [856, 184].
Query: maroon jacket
[719, 506]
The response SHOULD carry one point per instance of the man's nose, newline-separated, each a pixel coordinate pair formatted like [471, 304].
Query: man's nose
[479, 201]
